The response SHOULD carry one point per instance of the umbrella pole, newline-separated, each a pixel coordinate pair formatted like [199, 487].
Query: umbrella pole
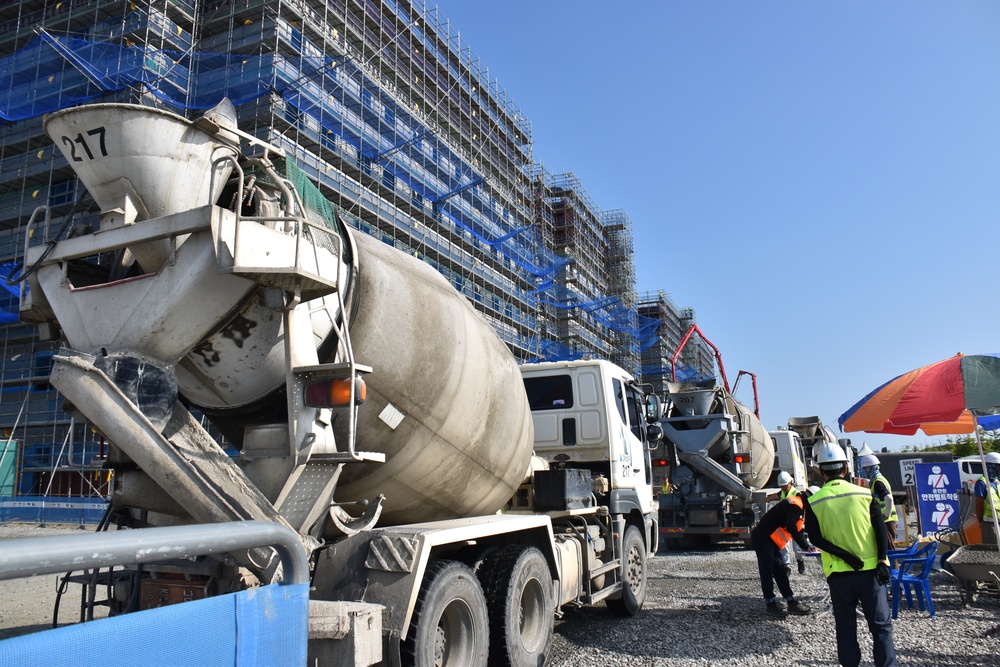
[986, 474]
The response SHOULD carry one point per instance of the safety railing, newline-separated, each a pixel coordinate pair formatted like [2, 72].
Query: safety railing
[259, 626]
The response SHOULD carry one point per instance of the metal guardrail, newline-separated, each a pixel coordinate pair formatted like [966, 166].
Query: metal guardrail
[30, 556]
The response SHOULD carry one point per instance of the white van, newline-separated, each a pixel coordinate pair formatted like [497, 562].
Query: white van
[970, 468]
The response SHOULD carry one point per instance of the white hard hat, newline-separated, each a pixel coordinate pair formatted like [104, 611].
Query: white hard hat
[830, 456]
[992, 457]
[868, 460]
[784, 478]
[813, 490]
[865, 450]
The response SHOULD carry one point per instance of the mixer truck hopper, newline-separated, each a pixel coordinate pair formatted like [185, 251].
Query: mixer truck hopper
[374, 412]
[814, 434]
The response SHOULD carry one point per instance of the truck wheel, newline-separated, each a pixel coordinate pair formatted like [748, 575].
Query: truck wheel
[449, 626]
[518, 588]
[633, 575]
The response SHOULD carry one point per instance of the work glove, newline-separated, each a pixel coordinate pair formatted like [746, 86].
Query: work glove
[802, 567]
[855, 562]
[882, 574]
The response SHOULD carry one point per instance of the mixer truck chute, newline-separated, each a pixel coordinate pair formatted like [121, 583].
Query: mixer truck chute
[415, 488]
[716, 457]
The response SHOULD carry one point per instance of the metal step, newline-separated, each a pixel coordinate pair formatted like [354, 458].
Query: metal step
[607, 567]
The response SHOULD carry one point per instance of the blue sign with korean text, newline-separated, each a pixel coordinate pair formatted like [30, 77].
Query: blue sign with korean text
[937, 496]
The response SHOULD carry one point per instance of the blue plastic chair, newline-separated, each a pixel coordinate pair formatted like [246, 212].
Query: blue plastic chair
[898, 554]
[914, 573]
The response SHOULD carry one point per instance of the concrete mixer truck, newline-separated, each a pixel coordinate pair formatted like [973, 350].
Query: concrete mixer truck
[451, 503]
[717, 457]
[813, 434]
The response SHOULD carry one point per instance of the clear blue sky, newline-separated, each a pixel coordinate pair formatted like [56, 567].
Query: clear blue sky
[820, 181]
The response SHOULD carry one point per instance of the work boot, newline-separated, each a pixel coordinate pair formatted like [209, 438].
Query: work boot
[799, 609]
[775, 610]
[802, 567]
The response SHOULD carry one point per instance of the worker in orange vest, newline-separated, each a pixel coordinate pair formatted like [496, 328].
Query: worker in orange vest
[781, 524]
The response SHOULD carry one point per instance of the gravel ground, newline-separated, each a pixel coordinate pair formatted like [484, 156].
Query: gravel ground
[703, 608]
[26, 604]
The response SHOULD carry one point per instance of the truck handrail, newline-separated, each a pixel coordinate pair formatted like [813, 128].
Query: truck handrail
[54, 554]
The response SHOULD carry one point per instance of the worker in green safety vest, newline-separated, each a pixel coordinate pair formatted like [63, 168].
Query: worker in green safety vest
[987, 495]
[845, 523]
[881, 491]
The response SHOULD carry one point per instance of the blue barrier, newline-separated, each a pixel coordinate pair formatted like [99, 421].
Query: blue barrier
[256, 627]
[47, 509]
[263, 627]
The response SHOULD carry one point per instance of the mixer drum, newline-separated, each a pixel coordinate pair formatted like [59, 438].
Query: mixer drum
[465, 437]
[761, 446]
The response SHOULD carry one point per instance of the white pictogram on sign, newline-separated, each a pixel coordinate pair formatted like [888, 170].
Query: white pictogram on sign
[937, 479]
[942, 514]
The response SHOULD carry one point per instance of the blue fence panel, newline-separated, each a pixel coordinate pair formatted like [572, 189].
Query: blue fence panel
[47, 509]
[265, 627]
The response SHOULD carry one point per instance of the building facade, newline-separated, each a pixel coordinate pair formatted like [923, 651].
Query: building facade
[379, 102]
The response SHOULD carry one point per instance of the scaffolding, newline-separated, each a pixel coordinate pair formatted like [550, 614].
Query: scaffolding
[381, 103]
[626, 328]
[591, 299]
[658, 347]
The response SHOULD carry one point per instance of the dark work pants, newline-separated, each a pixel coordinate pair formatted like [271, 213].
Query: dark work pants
[846, 590]
[772, 568]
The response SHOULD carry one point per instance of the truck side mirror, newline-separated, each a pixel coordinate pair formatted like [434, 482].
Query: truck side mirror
[654, 433]
[654, 407]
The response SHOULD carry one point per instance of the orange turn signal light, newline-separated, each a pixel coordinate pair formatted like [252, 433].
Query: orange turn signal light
[742, 458]
[335, 393]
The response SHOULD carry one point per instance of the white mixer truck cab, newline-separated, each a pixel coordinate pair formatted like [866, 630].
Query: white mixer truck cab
[591, 415]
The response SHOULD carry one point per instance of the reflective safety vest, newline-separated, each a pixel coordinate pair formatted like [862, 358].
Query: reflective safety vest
[842, 511]
[991, 490]
[792, 491]
[782, 537]
[881, 503]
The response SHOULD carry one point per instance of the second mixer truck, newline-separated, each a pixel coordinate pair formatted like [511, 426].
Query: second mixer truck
[717, 457]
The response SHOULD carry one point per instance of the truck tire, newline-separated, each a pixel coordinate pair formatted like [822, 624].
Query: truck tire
[449, 627]
[518, 587]
[633, 574]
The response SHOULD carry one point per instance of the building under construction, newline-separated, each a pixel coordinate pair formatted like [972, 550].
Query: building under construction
[380, 103]
[588, 308]
[658, 366]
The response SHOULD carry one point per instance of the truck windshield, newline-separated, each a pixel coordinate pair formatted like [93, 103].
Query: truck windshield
[551, 392]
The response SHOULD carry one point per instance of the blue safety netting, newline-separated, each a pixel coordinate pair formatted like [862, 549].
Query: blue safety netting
[260, 627]
[334, 98]
[9, 295]
[611, 313]
[685, 373]
[552, 350]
